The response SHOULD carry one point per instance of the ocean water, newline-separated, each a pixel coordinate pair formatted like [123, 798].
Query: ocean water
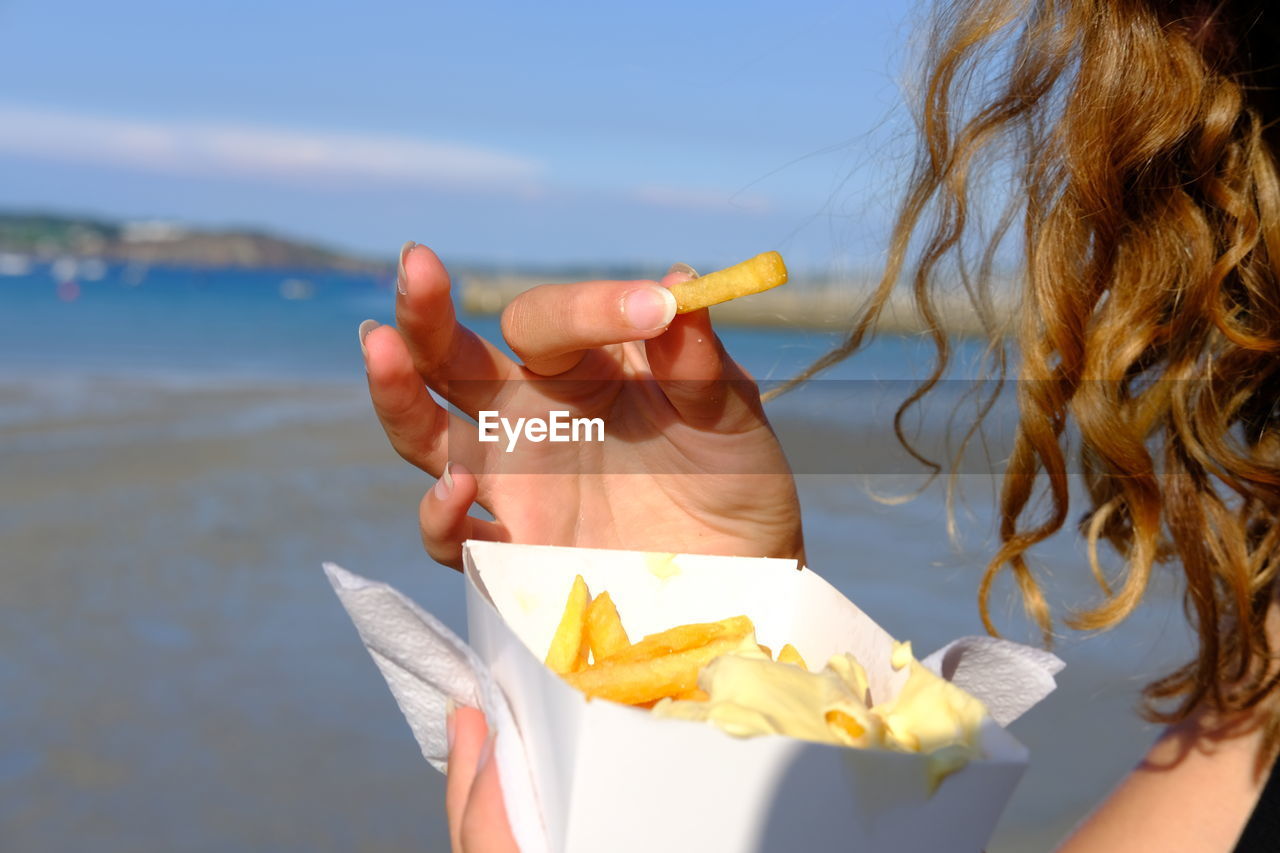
[256, 323]
[180, 450]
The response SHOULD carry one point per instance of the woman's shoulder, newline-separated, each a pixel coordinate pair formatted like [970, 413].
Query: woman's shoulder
[1262, 832]
[1199, 788]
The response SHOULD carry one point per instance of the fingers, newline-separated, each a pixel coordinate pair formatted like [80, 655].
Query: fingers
[444, 519]
[485, 828]
[462, 366]
[706, 387]
[552, 327]
[468, 736]
[473, 791]
[419, 428]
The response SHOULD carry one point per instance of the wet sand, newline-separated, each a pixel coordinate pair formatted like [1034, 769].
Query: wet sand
[179, 676]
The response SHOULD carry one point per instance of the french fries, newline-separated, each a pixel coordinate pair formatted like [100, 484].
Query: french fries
[637, 681]
[568, 652]
[605, 634]
[591, 651]
[758, 274]
[846, 725]
[683, 638]
[788, 654]
[717, 672]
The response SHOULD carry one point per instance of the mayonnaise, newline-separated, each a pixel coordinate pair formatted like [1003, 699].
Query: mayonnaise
[751, 695]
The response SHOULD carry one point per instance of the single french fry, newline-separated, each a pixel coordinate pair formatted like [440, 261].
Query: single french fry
[682, 638]
[758, 274]
[788, 654]
[765, 650]
[568, 652]
[605, 634]
[634, 682]
[840, 721]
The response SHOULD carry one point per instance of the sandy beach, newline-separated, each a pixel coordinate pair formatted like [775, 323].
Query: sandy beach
[182, 678]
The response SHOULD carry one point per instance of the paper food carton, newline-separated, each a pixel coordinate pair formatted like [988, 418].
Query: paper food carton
[581, 775]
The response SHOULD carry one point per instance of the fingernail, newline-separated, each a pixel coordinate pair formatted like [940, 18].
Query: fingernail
[365, 328]
[486, 753]
[444, 486]
[402, 281]
[683, 269]
[449, 707]
[649, 308]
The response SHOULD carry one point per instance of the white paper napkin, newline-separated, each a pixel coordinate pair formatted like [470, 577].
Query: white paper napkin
[1008, 677]
[424, 664]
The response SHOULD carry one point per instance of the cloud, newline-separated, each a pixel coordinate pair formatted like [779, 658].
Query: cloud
[330, 159]
[710, 201]
[243, 150]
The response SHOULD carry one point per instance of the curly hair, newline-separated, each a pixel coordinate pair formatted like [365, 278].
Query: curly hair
[1138, 139]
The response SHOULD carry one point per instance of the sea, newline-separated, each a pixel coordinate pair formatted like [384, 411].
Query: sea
[181, 449]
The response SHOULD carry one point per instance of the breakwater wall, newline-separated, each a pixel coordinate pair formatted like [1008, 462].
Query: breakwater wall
[824, 305]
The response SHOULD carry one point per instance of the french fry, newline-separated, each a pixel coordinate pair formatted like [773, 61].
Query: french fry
[682, 638]
[568, 652]
[758, 274]
[788, 654]
[605, 634]
[633, 682]
[844, 723]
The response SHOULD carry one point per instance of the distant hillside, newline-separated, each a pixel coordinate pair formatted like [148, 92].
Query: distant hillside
[484, 286]
[48, 236]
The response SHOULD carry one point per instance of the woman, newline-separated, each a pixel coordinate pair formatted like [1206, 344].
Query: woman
[1141, 138]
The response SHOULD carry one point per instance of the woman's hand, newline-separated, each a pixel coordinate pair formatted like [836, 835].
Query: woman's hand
[688, 463]
[473, 794]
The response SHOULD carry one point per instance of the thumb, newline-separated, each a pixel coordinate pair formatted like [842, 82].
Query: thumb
[485, 828]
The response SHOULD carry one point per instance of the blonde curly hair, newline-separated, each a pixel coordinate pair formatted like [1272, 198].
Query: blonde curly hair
[1141, 135]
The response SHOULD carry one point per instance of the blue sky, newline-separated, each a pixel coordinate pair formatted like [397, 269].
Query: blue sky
[542, 132]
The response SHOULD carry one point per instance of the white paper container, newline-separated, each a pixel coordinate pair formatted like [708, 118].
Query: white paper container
[614, 778]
